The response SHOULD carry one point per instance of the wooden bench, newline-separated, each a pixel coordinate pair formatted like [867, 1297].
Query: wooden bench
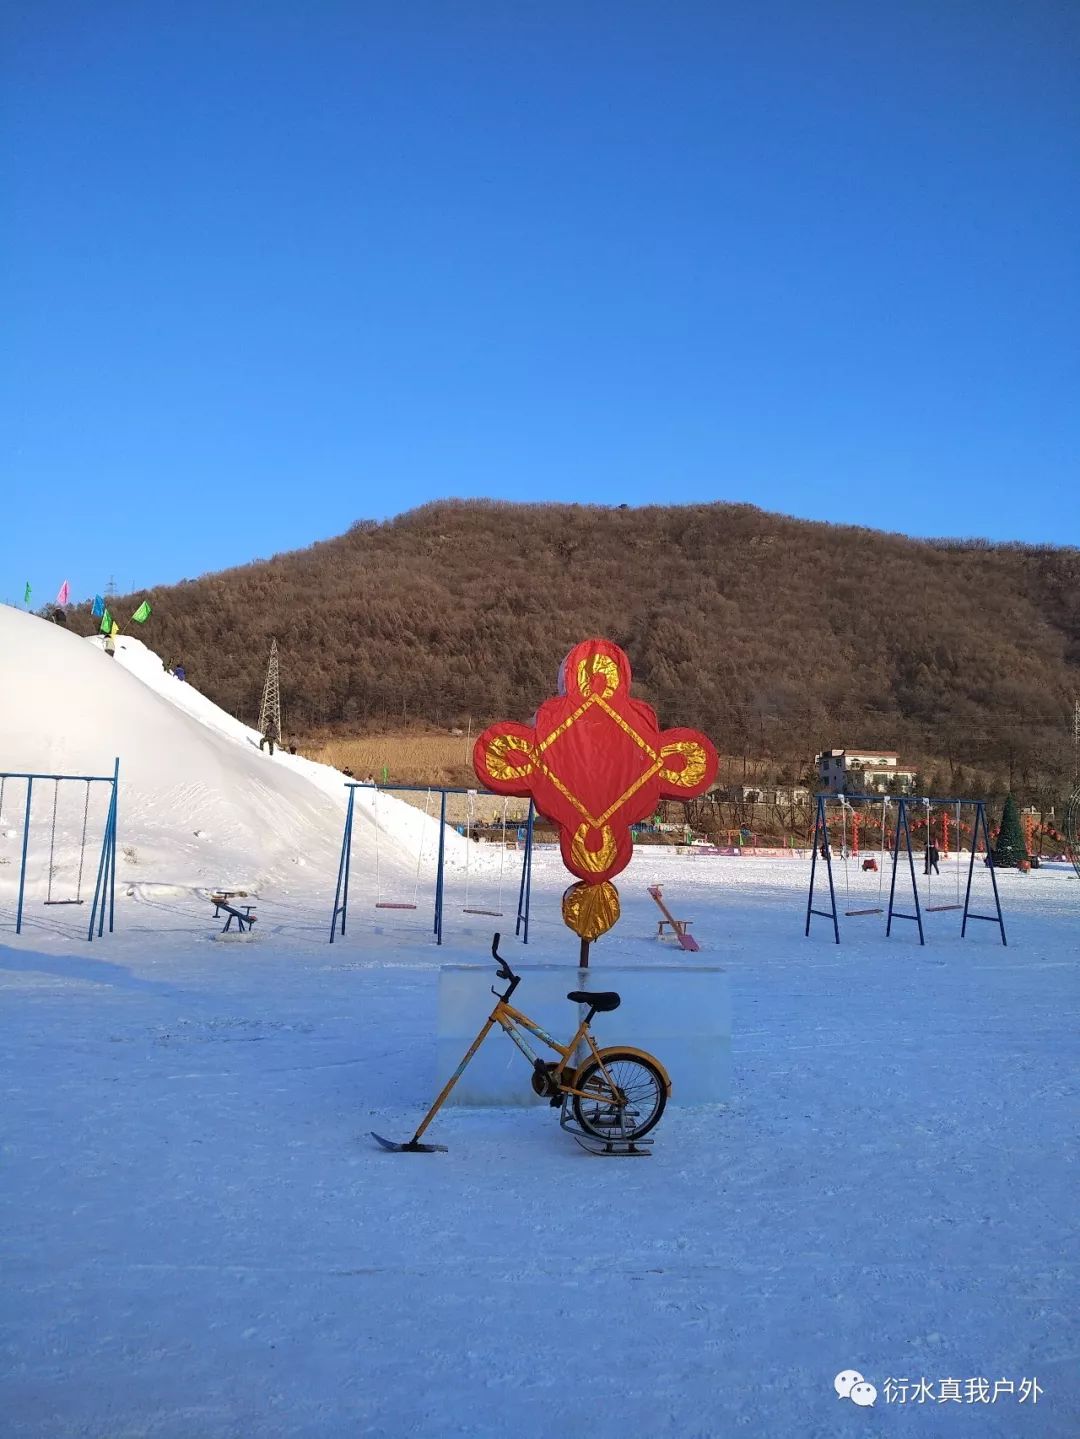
[680, 927]
[243, 914]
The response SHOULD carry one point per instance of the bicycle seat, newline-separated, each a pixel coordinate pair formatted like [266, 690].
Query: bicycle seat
[602, 1000]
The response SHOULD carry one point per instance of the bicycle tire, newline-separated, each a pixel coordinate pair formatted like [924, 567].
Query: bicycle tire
[585, 1110]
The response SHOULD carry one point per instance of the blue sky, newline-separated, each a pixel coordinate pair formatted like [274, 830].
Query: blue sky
[272, 268]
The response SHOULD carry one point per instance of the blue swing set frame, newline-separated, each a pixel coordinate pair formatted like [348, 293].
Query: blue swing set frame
[902, 835]
[341, 893]
[105, 885]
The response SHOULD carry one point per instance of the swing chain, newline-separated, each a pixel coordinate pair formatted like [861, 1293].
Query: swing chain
[52, 840]
[82, 846]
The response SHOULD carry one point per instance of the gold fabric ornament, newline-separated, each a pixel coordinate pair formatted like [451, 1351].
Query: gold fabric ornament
[590, 909]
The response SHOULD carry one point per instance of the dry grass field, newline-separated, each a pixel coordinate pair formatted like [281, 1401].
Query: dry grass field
[420, 759]
[403, 758]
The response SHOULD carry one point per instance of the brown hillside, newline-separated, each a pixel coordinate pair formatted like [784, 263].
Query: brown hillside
[775, 635]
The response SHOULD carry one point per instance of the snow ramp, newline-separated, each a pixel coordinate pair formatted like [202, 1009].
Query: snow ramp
[199, 804]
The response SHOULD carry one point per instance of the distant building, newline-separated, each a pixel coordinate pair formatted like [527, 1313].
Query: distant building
[850, 771]
[760, 794]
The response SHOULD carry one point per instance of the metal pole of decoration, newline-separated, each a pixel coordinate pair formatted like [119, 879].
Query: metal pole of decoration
[341, 903]
[25, 847]
[439, 876]
[525, 887]
[998, 919]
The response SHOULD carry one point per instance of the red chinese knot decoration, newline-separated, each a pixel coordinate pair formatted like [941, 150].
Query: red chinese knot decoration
[594, 761]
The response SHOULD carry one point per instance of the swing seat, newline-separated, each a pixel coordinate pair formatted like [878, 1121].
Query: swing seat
[939, 908]
[491, 913]
[850, 913]
[388, 904]
[64, 901]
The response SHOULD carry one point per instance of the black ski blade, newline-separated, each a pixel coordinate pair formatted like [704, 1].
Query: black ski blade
[413, 1147]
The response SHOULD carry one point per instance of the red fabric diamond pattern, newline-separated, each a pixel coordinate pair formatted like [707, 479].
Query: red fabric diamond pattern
[595, 761]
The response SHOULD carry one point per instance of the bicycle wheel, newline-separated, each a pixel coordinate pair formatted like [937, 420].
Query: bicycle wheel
[638, 1081]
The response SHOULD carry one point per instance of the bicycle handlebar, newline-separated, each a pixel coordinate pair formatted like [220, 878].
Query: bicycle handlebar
[504, 971]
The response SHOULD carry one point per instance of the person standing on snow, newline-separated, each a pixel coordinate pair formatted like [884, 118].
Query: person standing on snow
[271, 737]
[932, 857]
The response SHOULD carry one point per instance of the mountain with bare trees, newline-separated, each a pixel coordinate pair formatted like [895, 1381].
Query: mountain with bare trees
[776, 636]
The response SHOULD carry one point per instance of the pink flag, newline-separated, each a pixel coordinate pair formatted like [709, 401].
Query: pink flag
[62, 597]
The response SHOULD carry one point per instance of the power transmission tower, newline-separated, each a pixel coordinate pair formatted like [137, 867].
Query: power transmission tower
[270, 713]
[1076, 739]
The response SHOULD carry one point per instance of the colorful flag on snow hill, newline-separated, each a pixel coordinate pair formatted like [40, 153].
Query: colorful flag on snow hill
[62, 597]
[142, 614]
[115, 630]
[98, 608]
[26, 596]
[106, 622]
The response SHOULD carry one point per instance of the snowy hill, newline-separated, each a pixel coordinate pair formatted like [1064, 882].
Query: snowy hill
[199, 804]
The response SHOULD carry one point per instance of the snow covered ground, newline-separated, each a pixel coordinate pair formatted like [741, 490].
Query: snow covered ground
[198, 1238]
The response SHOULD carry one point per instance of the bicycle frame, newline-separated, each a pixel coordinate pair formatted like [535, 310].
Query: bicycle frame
[513, 1021]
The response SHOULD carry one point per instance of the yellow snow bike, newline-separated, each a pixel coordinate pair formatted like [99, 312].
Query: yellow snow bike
[609, 1100]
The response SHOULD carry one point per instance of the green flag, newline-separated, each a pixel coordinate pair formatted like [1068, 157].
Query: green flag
[142, 614]
[106, 623]
[26, 596]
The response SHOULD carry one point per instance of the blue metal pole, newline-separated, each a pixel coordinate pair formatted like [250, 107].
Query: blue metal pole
[832, 886]
[914, 881]
[525, 887]
[813, 867]
[993, 877]
[107, 852]
[895, 861]
[98, 891]
[112, 873]
[346, 837]
[902, 823]
[971, 866]
[528, 871]
[348, 863]
[25, 847]
[821, 827]
[997, 918]
[521, 882]
[439, 876]
[82, 778]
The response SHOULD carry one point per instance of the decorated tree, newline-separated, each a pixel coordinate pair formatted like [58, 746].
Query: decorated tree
[1010, 848]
